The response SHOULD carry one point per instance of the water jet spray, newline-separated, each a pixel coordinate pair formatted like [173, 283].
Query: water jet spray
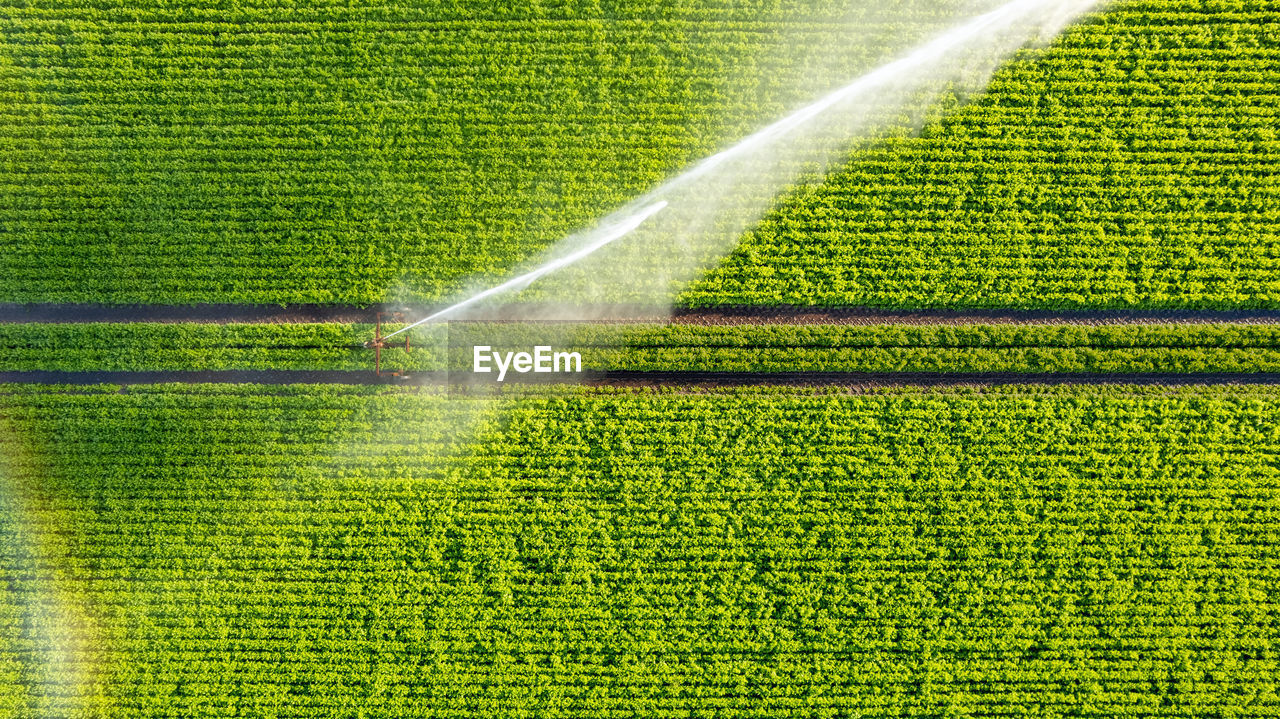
[714, 201]
[608, 234]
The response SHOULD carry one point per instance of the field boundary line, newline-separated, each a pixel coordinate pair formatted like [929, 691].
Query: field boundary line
[637, 378]
[53, 313]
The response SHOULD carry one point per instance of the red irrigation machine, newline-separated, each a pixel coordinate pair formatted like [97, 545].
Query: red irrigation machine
[379, 343]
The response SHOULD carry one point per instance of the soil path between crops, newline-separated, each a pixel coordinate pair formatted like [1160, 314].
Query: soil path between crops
[226, 313]
[690, 379]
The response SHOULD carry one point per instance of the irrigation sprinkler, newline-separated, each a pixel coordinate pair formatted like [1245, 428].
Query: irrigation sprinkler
[379, 342]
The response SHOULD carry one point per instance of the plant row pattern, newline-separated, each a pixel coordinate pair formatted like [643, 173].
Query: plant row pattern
[392, 151]
[271, 153]
[308, 552]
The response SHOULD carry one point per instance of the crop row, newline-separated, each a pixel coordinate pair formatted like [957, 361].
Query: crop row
[315, 551]
[739, 348]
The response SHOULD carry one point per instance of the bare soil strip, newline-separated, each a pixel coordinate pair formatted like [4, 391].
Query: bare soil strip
[875, 316]
[924, 379]
[654, 379]
[228, 313]
[210, 314]
[207, 376]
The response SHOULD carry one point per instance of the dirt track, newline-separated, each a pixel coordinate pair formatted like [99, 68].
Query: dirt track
[873, 316]
[657, 379]
[221, 314]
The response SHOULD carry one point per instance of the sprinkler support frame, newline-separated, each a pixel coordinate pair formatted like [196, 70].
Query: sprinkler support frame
[378, 343]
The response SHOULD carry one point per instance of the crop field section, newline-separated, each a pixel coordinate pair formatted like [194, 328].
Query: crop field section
[303, 550]
[603, 359]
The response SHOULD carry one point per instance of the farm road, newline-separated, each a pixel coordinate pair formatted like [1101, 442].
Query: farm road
[865, 380]
[228, 313]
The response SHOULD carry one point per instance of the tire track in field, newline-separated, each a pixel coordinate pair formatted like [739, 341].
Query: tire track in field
[926, 379]
[637, 378]
[54, 313]
[876, 316]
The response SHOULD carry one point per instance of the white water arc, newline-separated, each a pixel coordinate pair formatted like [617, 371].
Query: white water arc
[927, 54]
[601, 237]
[718, 198]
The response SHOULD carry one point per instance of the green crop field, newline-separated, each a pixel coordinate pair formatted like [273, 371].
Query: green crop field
[216, 551]
[347, 154]
[333, 153]
[1132, 165]
[956, 510]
